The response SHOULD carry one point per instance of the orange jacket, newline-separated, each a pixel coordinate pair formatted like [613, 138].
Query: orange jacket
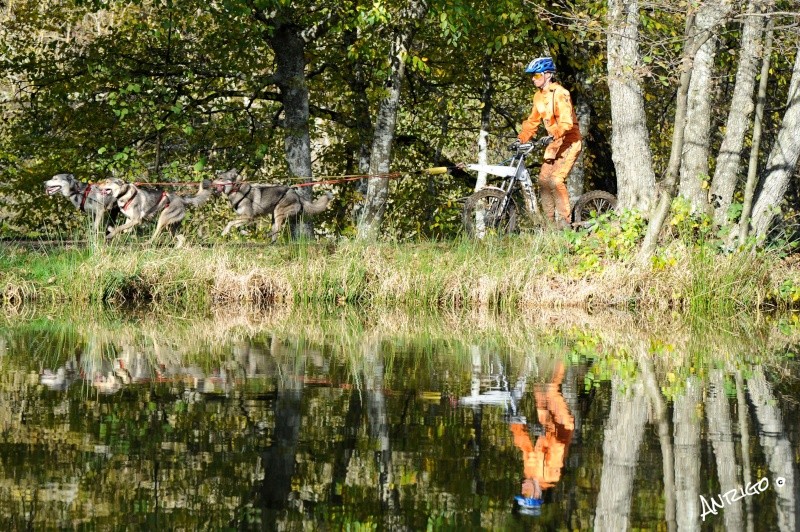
[545, 460]
[553, 107]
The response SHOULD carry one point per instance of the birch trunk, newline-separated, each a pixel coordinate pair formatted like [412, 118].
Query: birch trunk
[729, 157]
[667, 188]
[483, 139]
[687, 429]
[694, 167]
[621, 441]
[378, 188]
[630, 144]
[752, 166]
[782, 160]
[357, 82]
[720, 433]
[487, 93]
[777, 448]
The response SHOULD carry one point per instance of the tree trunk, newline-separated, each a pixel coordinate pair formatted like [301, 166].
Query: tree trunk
[378, 187]
[622, 437]
[720, 433]
[487, 93]
[577, 176]
[667, 188]
[694, 168]
[782, 159]
[289, 47]
[358, 84]
[629, 138]
[742, 105]
[752, 167]
[687, 429]
[777, 448]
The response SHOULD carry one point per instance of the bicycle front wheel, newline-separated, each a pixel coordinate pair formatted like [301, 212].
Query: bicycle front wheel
[483, 213]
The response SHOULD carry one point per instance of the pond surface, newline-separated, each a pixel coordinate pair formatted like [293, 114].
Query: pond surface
[200, 424]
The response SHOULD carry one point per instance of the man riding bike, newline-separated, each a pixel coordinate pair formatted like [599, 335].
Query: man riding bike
[552, 106]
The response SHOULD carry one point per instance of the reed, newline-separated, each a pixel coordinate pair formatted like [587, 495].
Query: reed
[498, 275]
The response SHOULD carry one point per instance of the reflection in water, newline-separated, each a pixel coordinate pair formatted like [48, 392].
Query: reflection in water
[778, 450]
[686, 416]
[263, 429]
[543, 461]
[622, 438]
[720, 432]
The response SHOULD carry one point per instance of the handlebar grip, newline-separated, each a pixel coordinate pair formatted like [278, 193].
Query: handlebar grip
[436, 170]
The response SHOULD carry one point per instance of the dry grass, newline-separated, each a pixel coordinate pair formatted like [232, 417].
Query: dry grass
[511, 275]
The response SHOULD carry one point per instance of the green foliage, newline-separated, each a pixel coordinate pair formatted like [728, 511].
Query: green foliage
[690, 227]
[613, 235]
[154, 91]
[789, 290]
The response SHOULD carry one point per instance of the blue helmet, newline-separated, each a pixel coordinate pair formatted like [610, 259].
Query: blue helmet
[529, 505]
[541, 64]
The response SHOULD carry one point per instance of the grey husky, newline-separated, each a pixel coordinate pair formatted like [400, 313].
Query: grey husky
[86, 197]
[139, 204]
[251, 201]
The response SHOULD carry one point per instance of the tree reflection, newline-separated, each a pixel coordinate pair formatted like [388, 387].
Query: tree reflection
[687, 427]
[279, 458]
[382, 429]
[720, 433]
[778, 450]
[622, 438]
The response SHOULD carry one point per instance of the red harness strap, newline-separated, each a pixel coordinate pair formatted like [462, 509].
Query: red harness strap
[127, 203]
[85, 195]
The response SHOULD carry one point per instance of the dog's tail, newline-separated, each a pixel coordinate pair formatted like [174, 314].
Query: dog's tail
[318, 205]
[204, 192]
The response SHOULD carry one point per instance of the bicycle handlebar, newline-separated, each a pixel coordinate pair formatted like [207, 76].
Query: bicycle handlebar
[523, 148]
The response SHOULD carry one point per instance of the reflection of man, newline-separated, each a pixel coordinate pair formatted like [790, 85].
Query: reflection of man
[542, 463]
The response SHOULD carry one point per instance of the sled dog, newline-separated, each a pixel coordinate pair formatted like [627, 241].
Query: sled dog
[142, 203]
[86, 197]
[251, 201]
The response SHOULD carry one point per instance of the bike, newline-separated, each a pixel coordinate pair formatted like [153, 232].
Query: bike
[496, 207]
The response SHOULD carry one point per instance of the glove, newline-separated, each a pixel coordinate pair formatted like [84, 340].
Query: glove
[514, 145]
[545, 141]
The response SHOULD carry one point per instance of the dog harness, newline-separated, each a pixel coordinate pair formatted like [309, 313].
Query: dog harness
[127, 203]
[84, 196]
[237, 187]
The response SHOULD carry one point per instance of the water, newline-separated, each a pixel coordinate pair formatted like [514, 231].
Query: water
[395, 422]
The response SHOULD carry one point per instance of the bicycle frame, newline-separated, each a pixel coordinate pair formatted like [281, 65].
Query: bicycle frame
[495, 207]
[512, 174]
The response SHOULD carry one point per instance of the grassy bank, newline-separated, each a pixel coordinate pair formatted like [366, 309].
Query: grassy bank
[525, 272]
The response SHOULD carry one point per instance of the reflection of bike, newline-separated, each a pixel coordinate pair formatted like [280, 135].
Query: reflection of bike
[495, 208]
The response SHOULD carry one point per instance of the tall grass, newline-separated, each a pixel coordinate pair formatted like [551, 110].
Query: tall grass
[498, 275]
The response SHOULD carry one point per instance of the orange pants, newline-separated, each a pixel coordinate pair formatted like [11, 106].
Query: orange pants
[552, 181]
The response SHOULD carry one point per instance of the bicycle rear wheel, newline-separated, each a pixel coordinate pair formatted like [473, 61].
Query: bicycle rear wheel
[593, 203]
[484, 208]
